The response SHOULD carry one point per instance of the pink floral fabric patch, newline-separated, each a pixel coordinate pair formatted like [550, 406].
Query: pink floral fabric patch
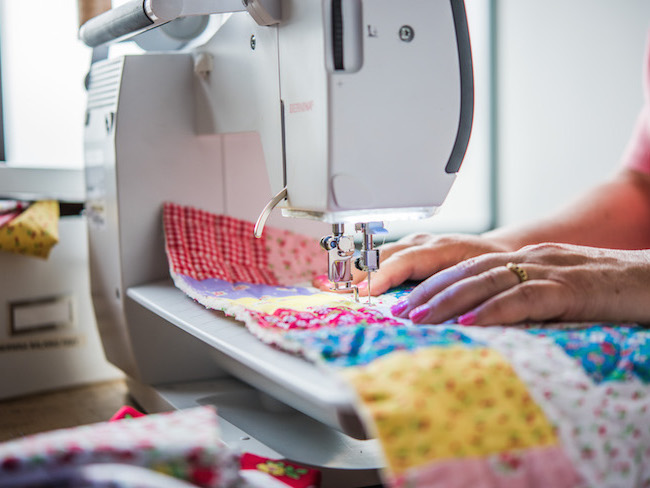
[325, 317]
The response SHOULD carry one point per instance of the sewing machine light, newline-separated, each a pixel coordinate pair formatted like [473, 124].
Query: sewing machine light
[355, 216]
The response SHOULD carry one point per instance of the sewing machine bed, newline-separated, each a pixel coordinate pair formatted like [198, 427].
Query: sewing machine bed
[299, 383]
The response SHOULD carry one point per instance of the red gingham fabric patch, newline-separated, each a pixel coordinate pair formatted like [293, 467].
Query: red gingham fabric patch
[203, 245]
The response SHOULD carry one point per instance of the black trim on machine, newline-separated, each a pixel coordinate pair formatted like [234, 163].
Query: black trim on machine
[466, 87]
[337, 34]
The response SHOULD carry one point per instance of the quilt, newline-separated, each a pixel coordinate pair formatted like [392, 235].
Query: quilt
[537, 405]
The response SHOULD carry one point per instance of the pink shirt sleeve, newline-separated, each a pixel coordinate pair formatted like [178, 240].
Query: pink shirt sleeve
[637, 154]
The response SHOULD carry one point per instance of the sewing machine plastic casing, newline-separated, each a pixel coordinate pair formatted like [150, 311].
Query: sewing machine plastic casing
[360, 109]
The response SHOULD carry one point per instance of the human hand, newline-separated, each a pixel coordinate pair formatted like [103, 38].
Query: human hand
[565, 282]
[418, 256]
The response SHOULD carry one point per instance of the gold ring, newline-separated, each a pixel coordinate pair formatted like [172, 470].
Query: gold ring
[519, 271]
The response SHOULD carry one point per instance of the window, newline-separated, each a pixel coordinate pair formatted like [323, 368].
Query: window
[43, 70]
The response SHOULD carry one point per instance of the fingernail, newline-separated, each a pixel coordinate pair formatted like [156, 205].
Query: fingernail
[419, 313]
[468, 319]
[399, 307]
[363, 286]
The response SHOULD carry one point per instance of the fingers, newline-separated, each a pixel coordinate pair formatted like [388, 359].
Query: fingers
[321, 282]
[464, 295]
[488, 276]
[419, 256]
[478, 291]
[386, 251]
[533, 301]
[493, 297]
[405, 250]
[393, 271]
[410, 263]
[483, 291]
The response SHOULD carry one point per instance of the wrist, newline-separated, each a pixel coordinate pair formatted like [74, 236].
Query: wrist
[503, 239]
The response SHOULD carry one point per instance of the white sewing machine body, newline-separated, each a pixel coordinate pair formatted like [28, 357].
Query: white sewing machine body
[372, 126]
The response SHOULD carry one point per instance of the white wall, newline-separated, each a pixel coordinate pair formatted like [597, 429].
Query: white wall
[569, 89]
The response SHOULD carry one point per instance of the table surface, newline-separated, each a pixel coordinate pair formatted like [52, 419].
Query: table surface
[59, 409]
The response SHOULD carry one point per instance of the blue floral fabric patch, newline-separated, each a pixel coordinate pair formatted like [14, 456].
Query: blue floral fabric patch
[402, 290]
[606, 352]
[359, 345]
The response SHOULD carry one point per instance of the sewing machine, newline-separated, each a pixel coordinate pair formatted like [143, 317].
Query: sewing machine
[338, 111]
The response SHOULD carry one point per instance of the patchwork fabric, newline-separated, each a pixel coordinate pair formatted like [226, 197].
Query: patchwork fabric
[603, 427]
[31, 232]
[561, 405]
[183, 444]
[469, 400]
[134, 450]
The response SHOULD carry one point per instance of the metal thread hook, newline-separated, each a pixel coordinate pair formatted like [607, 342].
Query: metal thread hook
[261, 220]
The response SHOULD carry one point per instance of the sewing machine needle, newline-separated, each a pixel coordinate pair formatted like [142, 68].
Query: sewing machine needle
[369, 302]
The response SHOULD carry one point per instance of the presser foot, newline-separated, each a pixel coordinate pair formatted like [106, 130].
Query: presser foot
[345, 287]
[340, 249]
[356, 292]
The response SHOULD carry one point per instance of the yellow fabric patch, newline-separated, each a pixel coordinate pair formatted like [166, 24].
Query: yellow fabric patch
[448, 402]
[34, 231]
[300, 303]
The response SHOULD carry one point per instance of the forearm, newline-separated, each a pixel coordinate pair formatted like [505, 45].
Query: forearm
[614, 215]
